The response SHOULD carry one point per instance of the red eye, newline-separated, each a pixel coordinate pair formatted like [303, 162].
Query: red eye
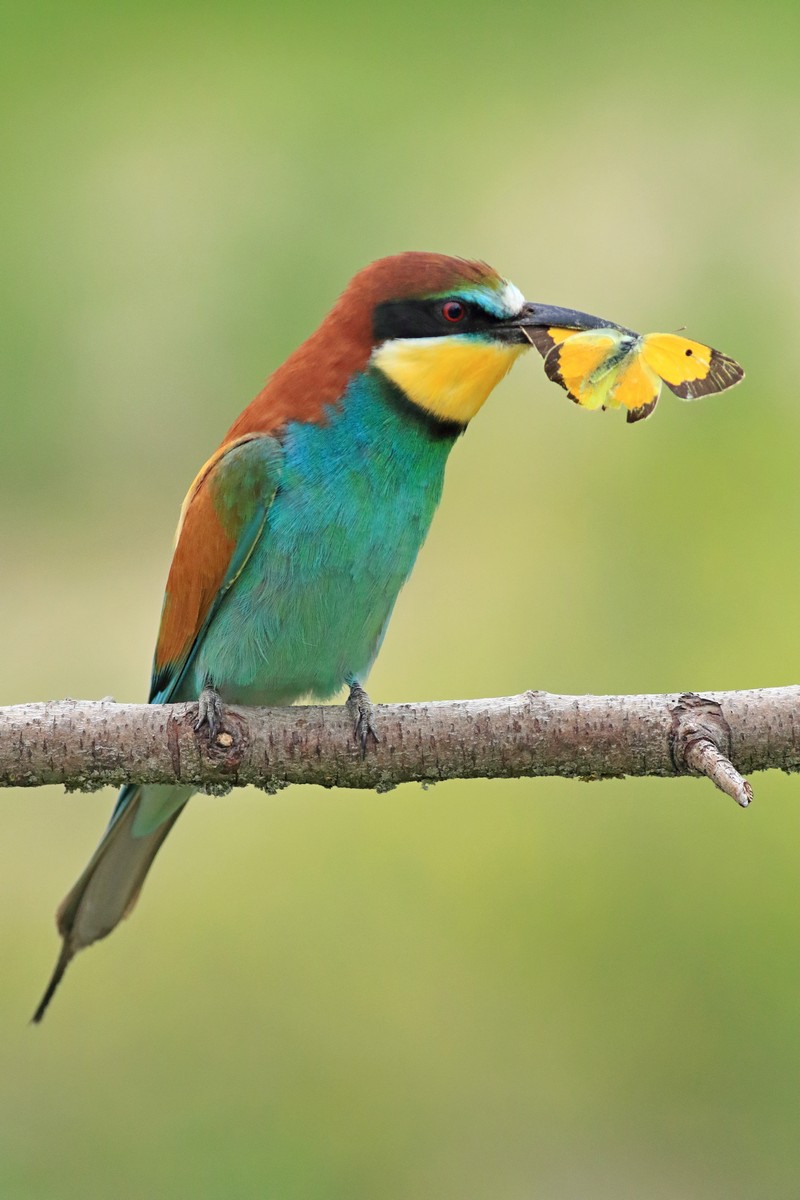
[454, 311]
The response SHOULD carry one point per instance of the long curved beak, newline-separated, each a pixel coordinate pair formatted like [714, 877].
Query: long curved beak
[550, 316]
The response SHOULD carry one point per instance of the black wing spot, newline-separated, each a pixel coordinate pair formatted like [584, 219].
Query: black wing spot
[688, 353]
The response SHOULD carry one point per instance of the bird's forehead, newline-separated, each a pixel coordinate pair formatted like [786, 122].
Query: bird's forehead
[501, 298]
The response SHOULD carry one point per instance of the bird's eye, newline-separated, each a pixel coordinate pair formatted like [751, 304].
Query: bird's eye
[454, 311]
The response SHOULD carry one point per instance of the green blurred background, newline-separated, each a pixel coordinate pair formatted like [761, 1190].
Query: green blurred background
[490, 990]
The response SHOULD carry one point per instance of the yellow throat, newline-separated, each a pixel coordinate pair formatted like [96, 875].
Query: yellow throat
[450, 377]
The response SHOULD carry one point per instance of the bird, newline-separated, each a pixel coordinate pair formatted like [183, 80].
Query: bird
[298, 533]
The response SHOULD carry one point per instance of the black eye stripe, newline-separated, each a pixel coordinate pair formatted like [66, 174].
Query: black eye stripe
[427, 318]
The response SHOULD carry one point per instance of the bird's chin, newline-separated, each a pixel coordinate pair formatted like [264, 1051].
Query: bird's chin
[449, 377]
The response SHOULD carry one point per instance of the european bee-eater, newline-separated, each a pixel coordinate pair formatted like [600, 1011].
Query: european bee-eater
[298, 533]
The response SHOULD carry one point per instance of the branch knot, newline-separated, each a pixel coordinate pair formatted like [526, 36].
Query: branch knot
[700, 742]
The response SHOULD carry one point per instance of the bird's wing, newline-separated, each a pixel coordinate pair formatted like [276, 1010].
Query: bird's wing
[222, 518]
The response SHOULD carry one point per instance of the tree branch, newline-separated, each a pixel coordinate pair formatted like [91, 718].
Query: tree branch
[87, 744]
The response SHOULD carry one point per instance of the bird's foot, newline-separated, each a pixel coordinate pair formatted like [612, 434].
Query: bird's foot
[360, 708]
[209, 712]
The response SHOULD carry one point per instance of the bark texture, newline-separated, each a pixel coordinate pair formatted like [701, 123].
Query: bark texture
[87, 744]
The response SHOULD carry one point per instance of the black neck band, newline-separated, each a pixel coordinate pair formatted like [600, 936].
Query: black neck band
[436, 429]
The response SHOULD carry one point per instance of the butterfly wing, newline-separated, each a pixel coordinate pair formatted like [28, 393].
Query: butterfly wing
[637, 386]
[545, 338]
[689, 368]
[586, 364]
[639, 414]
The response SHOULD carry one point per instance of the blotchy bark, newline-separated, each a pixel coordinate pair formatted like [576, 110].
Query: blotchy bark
[86, 744]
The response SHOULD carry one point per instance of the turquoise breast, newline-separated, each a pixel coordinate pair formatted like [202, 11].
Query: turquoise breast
[354, 504]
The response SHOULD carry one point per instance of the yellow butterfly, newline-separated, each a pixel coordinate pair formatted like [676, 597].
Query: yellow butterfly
[609, 366]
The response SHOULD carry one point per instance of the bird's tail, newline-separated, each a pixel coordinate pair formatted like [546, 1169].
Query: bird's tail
[109, 887]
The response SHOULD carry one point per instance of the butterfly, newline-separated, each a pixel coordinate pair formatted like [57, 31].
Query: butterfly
[610, 366]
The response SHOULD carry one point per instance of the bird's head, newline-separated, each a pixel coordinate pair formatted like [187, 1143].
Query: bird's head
[446, 330]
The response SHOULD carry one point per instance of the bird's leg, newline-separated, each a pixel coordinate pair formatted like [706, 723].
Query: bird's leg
[360, 708]
[209, 711]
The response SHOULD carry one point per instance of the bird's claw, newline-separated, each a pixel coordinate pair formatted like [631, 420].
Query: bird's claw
[209, 712]
[360, 708]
